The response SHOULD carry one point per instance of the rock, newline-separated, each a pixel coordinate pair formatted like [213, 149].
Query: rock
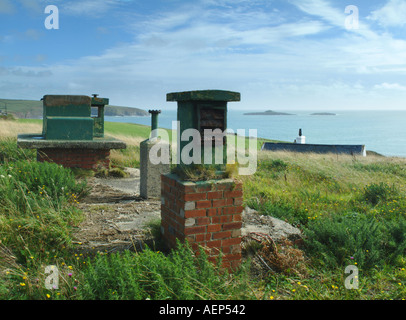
[275, 228]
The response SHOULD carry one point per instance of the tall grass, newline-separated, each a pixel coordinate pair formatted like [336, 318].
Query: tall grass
[181, 275]
[11, 128]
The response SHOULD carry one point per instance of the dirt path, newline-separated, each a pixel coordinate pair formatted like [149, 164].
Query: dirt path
[116, 218]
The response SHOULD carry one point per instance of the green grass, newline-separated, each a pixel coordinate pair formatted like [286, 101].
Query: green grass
[127, 129]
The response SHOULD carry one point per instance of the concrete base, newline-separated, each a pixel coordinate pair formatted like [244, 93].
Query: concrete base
[150, 173]
[84, 154]
[37, 141]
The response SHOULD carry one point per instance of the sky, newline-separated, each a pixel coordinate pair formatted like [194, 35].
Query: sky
[280, 55]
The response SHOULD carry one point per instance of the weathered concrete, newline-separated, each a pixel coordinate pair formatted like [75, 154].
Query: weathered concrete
[204, 95]
[150, 173]
[37, 141]
[275, 228]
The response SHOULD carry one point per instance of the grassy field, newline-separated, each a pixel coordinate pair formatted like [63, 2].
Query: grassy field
[351, 210]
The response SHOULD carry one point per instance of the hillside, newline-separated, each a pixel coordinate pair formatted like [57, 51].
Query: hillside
[32, 109]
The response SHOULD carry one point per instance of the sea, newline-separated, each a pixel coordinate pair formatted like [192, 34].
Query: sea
[383, 132]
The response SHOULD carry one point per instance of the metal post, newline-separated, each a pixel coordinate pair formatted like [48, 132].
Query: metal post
[154, 122]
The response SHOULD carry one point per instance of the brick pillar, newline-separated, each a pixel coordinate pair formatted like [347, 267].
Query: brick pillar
[206, 213]
[76, 158]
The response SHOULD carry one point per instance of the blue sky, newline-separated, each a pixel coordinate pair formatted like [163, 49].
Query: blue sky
[280, 55]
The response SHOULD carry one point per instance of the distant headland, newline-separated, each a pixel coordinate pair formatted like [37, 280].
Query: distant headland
[33, 109]
[268, 113]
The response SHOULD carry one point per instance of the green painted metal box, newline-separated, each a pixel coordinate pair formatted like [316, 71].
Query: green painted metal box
[204, 110]
[69, 128]
[70, 117]
[64, 106]
[97, 113]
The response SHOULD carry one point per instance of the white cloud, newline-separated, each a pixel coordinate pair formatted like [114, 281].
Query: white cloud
[90, 8]
[392, 14]
[390, 86]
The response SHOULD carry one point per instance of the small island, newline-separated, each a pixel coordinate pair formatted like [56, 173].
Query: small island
[323, 114]
[268, 113]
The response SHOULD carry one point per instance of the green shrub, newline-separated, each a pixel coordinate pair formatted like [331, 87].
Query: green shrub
[35, 212]
[375, 193]
[45, 180]
[342, 240]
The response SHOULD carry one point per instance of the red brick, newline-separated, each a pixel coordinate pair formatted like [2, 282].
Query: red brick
[222, 219]
[229, 202]
[219, 203]
[214, 228]
[239, 209]
[203, 188]
[202, 237]
[212, 212]
[203, 221]
[214, 244]
[237, 217]
[195, 196]
[232, 226]
[221, 235]
[203, 204]
[195, 213]
[195, 230]
[233, 194]
[229, 210]
[215, 195]
[230, 242]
